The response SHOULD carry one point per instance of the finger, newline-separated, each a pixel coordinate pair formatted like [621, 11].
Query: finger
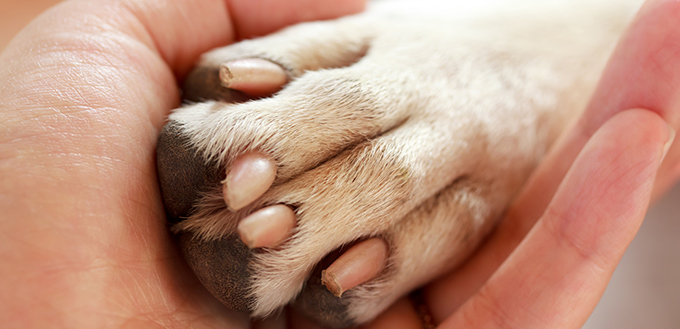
[256, 18]
[655, 31]
[186, 29]
[447, 294]
[639, 75]
[644, 72]
[558, 273]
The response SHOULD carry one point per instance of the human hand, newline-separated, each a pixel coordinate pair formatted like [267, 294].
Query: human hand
[78, 152]
[549, 261]
[85, 89]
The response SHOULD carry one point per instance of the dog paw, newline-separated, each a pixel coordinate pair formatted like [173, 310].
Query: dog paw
[338, 165]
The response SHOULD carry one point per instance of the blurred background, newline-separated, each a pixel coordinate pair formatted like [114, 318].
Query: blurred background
[15, 14]
[645, 290]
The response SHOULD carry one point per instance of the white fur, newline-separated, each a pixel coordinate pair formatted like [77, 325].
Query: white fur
[416, 122]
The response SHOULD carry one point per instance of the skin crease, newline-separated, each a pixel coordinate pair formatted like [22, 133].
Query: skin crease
[84, 244]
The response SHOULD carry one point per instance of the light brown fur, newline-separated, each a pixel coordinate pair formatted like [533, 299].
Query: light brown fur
[414, 125]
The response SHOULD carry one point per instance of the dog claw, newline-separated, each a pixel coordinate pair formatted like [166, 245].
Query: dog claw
[253, 76]
[249, 177]
[360, 263]
[267, 227]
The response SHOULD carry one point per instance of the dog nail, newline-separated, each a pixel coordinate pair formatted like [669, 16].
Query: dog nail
[357, 265]
[250, 176]
[267, 227]
[253, 76]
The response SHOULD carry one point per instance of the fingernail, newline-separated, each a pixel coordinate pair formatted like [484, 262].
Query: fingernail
[253, 76]
[362, 262]
[249, 177]
[668, 144]
[267, 227]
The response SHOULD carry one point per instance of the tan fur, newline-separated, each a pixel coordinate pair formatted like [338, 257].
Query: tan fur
[416, 123]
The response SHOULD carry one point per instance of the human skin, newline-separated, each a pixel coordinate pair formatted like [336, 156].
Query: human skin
[86, 88]
[84, 244]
